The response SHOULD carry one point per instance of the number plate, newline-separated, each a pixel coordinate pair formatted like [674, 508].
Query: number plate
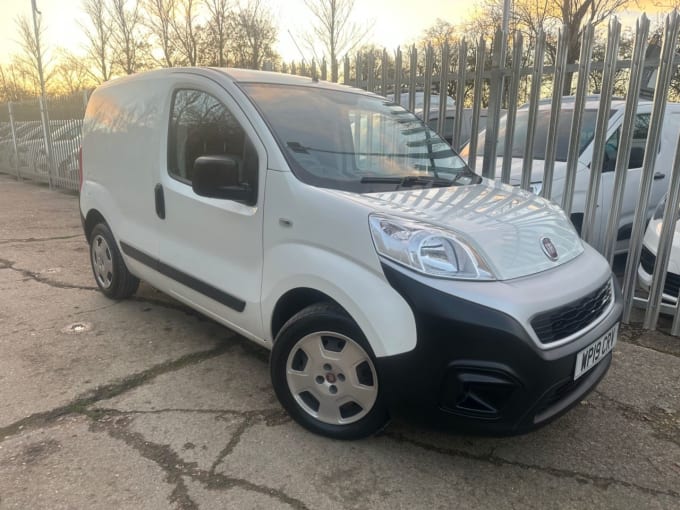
[595, 352]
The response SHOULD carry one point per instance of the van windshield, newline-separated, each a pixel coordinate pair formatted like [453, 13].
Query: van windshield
[541, 136]
[355, 142]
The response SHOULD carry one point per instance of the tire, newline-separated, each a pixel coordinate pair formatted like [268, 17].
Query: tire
[110, 272]
[323, 372]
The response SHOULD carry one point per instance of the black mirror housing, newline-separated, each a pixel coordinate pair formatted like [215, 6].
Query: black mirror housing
[218, 177]
[637, 157]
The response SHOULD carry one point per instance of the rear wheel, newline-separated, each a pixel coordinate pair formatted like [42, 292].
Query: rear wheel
[324, 374]
[110, 272]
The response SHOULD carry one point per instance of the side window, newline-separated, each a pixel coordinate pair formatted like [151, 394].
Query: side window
[639, 141]
[611, 148]
[200, 125]
[641, 127]
[637, 149]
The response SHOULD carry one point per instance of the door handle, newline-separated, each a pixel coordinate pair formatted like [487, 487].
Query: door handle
[160, 201]
[659, 175]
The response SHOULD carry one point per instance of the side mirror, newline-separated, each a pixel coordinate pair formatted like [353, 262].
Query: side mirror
[637, 157]
[218, 177]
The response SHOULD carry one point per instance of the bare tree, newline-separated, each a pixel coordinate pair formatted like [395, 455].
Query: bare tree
[334, 30]
[159, 16]
[576, 14]
[71, 73]
[97, 31]
[219, 11]
[12, 86]
[186, 29]
[441, 32]
[531, 16]
[33, 53]
[252, 35]
[130, 48]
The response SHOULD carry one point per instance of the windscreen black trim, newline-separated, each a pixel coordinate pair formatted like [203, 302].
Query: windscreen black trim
[185, 279]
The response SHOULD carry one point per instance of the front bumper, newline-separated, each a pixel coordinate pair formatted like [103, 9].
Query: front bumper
[650, 245]
[477, 369]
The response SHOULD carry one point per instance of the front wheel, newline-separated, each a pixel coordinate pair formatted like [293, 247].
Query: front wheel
[324, 374]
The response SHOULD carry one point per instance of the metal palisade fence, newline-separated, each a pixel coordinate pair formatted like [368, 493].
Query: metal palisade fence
[40, 139]
[601, 151]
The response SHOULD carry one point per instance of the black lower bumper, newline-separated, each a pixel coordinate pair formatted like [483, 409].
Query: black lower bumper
[477, 370]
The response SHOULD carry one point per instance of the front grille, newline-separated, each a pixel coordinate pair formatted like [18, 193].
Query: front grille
[558, 394]
[647, 259]
[566, 320]
[672, 284]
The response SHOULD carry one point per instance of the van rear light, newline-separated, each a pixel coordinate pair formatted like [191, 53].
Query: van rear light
[80, 167]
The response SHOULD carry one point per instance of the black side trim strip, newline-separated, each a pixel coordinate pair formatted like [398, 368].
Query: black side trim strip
[185, 279]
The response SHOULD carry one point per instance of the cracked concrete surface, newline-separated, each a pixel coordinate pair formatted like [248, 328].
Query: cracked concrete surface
[155, 406]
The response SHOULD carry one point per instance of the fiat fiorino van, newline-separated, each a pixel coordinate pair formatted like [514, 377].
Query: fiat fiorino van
[331, 226]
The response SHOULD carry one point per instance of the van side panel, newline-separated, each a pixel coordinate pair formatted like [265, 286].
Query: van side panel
[125, 114]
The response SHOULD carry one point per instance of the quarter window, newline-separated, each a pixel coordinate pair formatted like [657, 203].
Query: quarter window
[200, 125]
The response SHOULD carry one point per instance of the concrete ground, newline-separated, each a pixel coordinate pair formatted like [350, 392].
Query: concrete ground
[146, 404]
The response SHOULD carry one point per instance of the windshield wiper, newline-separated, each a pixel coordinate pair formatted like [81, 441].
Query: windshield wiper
[408, 181]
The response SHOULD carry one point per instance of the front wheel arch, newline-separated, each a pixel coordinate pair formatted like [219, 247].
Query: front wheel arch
[293, 302]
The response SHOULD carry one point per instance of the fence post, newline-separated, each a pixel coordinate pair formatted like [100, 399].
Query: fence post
[534, 98]
[47, 137]
[371, 72]
[476, 103]
[443, 86]
[460, 94]
[494, 110]
[358, 71]
[383, 73]
[623, 154]
[413, 67]
[14, 139]
[663, 81]
[608, 73]
[555, 107]
[511, 117]
[397, 76]
[427, 89]
[85, 98]
[579, 104]
[345, 70]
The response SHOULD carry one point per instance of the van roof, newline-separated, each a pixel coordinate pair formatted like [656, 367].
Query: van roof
[238, 76]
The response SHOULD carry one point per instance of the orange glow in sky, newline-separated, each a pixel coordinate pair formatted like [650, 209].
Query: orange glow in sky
[394, 22]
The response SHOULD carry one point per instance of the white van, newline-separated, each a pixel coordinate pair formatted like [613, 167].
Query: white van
[664, 159]
[334, 228]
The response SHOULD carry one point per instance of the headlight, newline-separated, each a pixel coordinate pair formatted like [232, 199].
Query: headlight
[536, 188]
[427, 249]
[658, 213]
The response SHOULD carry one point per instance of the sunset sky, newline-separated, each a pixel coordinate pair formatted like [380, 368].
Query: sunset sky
[395, 21]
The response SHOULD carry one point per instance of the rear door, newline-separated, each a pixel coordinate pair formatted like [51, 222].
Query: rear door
[211, 249]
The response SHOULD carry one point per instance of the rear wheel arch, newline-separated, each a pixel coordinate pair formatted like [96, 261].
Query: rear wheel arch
[93, 218]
